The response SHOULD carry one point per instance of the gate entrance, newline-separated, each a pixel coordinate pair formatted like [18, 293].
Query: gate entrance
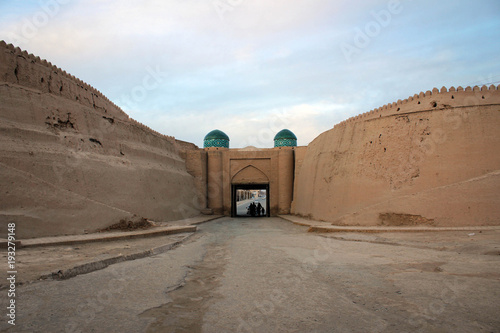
[244, 196]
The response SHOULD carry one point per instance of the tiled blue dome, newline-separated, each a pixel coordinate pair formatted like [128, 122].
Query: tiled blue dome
[216, 138]
[285, 138]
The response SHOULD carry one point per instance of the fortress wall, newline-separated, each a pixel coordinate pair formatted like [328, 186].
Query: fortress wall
[71, 160]
[299, 155]
[285, 179]
[215, 181]
[430, 159]
[431, 100]
[183, 147]
[196, 163]
[24, 69]
[19, 67]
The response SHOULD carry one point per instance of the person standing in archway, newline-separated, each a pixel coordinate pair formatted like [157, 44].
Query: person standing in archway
[259, 209]
[252, 209]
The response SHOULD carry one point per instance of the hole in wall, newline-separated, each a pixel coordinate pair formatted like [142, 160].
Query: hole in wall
[95, 141]
[418, 102]
[60, 88]
[452, 97]
[434, 104]
[111, 120]
[398, 109]
[41, 80]
[482, 97]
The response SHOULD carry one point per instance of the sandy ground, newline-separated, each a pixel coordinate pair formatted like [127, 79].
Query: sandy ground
[466, 242]
[269, 275]
[32, 263]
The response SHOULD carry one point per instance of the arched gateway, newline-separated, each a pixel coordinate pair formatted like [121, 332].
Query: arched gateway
[255, 183]
[223, 174]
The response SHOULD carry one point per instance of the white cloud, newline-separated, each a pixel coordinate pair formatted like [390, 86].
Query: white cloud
[264, 62]
[256, 128]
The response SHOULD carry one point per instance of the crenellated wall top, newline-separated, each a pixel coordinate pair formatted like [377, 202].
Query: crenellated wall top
[16, 51]
[437, 99]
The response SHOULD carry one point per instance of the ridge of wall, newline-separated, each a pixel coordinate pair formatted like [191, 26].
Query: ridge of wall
[437, 99]
[68, 86]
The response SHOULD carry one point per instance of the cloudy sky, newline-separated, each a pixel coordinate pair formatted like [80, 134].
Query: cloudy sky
[253, 67]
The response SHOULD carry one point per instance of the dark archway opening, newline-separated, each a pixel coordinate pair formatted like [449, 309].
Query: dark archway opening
[242, 197]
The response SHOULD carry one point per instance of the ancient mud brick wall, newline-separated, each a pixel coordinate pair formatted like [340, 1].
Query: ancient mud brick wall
[429, 159]
[72, 161]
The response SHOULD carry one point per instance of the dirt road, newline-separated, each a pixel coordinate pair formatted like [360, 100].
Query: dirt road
[268, 275]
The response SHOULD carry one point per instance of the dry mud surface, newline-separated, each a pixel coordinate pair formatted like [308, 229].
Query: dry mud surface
[33, 263]
[268, 275]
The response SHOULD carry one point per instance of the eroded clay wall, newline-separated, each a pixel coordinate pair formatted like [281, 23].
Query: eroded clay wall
[71, 161]
[299, 155]
[431, 159]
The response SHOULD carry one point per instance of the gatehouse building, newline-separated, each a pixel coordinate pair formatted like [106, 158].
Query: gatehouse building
[220, 172]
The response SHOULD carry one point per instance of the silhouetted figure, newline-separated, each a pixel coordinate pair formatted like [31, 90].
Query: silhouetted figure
[252, 209]
[259, 209]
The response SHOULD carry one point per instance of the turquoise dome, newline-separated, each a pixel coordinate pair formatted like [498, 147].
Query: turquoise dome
[285, 138]
[216, 138]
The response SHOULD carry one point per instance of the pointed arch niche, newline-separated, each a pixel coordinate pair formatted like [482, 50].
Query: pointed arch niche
[249, 178]
[250, 175]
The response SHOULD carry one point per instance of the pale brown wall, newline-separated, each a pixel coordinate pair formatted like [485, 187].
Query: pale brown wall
[196, 164]
[285, 179]
[215, 181]
[265, 160]
[184, 146]
[70, 160]
[299, 154]
[250, 174]
[26, 70]
[437, 156]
